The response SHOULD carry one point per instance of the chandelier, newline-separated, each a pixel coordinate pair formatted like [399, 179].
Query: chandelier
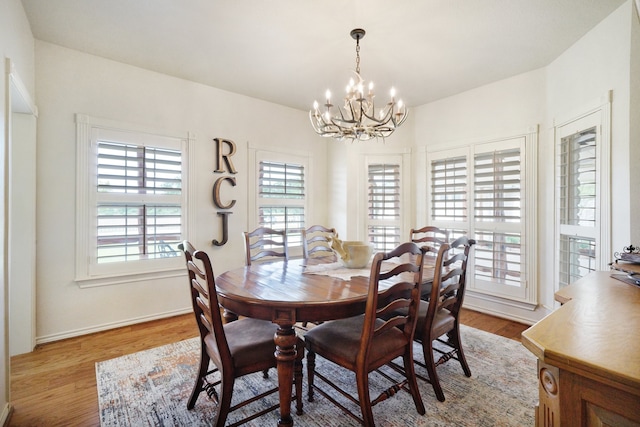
[357, 119]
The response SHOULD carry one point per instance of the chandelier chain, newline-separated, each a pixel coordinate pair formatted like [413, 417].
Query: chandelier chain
[358, 55]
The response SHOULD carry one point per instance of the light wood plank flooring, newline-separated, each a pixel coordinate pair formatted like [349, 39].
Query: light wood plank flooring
[55, 385]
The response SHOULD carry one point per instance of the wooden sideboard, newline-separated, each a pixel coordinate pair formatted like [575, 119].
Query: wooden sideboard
[588, 354]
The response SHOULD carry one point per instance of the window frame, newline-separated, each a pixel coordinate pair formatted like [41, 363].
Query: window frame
[257, 156]
[390, 159]
[89, 130]
[597, 114]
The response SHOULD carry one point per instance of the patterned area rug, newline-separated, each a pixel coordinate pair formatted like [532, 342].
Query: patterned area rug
[150, 388]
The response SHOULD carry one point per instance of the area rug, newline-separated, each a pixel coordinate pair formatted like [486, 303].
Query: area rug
[151, 388]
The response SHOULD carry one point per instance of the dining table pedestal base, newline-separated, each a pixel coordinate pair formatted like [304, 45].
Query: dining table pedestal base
[285, 340]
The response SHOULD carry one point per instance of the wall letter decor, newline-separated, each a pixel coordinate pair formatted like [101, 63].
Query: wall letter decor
[222, 160]
[225, 157]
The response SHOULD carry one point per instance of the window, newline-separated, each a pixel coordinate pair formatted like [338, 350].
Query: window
[582, 197]
[449, 194]
[497, 205]
[139, 211]
[383, 195]
[480, 190]
[131, 199]
[281, 198]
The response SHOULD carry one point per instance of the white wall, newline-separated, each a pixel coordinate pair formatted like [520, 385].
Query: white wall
[16, 43]
[70, 82]
[599, 62]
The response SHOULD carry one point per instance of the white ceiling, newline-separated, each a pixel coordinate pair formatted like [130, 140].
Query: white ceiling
[290, 51]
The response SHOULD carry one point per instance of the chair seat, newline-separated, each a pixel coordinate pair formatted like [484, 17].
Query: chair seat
[339, 341]
[251, 342]
[443, 322]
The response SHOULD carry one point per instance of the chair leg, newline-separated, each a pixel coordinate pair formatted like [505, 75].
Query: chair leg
[409, 369]
[362, 380]
[297, 374]
[458, 343]
[226, 393]
[427, 349]
[311, 366]
[202, 372]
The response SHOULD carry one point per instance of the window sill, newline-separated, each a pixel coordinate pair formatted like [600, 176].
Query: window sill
[94, 282]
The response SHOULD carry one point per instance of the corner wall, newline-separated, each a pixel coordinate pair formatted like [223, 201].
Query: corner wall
[598, 62]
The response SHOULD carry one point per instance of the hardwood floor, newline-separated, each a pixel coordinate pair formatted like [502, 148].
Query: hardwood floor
[55, 385]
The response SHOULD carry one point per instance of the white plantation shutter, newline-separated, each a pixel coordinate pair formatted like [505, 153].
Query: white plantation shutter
[450, 195]
[449, 190]
[281, 198]
[383, 195]
[497, 186]
[281, 180]
[497, 202]
[577, 258]
[577, 193]
[577, 165]
[139, 196]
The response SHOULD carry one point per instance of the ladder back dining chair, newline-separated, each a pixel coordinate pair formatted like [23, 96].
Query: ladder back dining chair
[432, 237]
[364, 343]
[315, 241]
[265, 244]
[235, 349]
[439, 318]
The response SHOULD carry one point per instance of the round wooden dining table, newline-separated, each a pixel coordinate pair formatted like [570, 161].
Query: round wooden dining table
[283, 293]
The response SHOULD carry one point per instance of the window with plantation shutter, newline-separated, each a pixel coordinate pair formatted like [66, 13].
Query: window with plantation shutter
[281, 198]
[582, 196]
[577, 205]
[131, 200]
[139, 195]
[497, 216]
[497, 200]
[480, 190]
[383, 194]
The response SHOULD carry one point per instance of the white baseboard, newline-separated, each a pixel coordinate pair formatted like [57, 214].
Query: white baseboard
[6, 414]
[526, 317]
[112, 325]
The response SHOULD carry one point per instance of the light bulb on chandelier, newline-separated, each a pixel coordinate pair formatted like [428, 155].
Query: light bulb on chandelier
[357, 120]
